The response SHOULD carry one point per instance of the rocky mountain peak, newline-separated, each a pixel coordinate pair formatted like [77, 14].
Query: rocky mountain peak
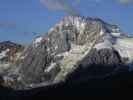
[80, 22]
[81, 30]
[75, 42]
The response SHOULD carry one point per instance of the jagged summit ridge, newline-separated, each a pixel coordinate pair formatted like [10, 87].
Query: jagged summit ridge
[80, 22]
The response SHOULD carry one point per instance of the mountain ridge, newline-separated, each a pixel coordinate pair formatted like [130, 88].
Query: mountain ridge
[75, 42]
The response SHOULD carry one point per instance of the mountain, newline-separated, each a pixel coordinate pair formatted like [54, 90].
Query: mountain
[9, 55]
[9, 52]
[75, 49]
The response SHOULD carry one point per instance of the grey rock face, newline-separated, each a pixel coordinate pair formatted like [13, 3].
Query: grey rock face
[99, 64]
[103, 57]
[34, 64]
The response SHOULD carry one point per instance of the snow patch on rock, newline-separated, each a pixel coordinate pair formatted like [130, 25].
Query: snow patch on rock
[102, 32]
[106, 44]
[3, 53]
[116, 34]
[50, 67]
[37, 41]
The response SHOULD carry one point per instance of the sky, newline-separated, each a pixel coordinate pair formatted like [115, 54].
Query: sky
[23, 20]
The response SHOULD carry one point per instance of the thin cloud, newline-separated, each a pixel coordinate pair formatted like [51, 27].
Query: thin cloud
[59, 5]
[7, 25]
[123, 2]
[126, 2]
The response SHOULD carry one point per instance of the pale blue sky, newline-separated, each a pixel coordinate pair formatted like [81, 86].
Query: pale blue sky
[19, 18]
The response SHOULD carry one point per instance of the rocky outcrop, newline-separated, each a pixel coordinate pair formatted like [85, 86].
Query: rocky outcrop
[99, 64]
[9, 50]
[9, 54]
